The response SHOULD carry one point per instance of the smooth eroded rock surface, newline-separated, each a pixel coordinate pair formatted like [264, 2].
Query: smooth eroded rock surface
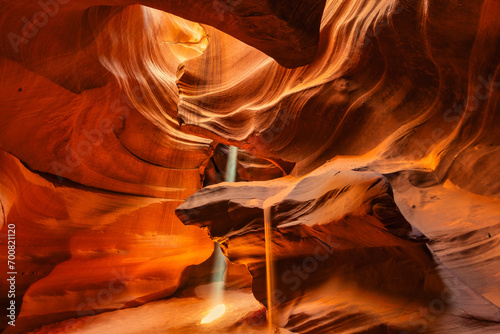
[360, 123]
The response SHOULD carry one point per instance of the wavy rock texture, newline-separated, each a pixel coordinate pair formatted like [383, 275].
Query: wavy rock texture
[94, 202]
[397, 88]
[82, 251]
[89, 107]
[399, 83]
[114, 112]
[345, 257]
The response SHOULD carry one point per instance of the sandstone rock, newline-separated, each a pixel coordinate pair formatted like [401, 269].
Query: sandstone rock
[113, 113]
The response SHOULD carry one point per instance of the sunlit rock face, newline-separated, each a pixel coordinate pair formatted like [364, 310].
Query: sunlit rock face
[93, 156]
[397, 82]
[345, 258]
[397, 88]
[82, 251]
[332, 229]
[114, 112]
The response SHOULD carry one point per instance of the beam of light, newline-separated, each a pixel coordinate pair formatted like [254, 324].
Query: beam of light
[219, 258]
[215, 313]
[218, 277]
[269, 267]
[231, 164]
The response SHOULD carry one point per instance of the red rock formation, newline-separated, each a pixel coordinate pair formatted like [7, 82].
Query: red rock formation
[113, 113]
[345, 257]
[82, 251]
[397, 82]
[332, 228]
[89, 96]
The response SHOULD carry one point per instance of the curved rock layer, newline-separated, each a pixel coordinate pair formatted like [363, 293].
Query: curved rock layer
[401, 83]
[113, 113]
[345, 257]
[89, 101]
[82, 251]
[93, 199]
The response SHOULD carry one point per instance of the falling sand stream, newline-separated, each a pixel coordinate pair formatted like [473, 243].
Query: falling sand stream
[219, 266]
[219, 263]
[269, 267]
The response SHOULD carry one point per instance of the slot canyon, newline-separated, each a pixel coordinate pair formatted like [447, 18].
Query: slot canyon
[250, 166]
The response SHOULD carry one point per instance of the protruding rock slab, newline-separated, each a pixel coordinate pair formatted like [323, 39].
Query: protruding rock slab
[335, 233]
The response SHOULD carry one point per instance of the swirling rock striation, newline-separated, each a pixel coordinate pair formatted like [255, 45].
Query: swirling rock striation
[333, 231]
[114, 112]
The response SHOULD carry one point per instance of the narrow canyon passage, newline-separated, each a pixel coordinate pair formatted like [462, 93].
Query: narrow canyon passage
[250, 166]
